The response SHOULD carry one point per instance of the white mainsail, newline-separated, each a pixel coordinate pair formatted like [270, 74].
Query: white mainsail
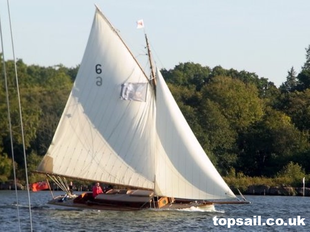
[101, 137]
[114, 130]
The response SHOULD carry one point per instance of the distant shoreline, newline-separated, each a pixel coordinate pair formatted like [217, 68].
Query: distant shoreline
[274, 190]
[251, 190]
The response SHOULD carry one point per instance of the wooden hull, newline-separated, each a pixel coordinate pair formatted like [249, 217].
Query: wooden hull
[92, 205]
[126, 202]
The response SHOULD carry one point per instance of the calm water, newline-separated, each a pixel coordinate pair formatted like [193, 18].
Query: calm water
[49, 218]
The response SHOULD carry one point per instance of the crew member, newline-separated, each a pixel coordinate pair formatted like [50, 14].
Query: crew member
[97, 189]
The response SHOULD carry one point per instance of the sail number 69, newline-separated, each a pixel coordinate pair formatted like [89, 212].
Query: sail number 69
[98, 70]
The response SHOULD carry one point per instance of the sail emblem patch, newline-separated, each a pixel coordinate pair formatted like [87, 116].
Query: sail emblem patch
[134, 91]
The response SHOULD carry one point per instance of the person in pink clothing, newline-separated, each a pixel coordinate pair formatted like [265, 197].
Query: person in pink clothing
[97, 189]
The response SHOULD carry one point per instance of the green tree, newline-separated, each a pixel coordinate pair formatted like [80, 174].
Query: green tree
[187, 74]
[297, 106]
[304, 76]
[6, 167]
[33, 160]
[303, 158]
[291, 81]
[269, 144]
[220, 137]
[43, 93]
[238, 102]
[307, 63]
[292, 174]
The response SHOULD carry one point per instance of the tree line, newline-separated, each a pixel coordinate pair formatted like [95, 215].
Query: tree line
[246, 124]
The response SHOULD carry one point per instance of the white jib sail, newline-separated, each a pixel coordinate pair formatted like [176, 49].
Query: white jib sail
[183, 168]
[102, 137]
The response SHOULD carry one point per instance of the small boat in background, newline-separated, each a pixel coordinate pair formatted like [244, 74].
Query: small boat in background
[39, 186]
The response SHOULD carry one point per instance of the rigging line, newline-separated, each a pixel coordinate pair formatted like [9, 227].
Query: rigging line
[20, 117]
[157, 59]
[10, 124]
[58, 181]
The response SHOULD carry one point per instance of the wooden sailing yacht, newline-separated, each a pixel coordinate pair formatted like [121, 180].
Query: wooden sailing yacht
[121, 127]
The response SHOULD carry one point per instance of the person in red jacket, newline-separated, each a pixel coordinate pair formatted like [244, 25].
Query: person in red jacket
[97, 189]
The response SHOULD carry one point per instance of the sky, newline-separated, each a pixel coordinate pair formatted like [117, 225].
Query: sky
[266, 37]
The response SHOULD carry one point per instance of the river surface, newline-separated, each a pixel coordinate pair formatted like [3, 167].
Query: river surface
[49, 218]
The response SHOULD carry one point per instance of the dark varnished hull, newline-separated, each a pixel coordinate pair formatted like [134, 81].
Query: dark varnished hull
[86, 201]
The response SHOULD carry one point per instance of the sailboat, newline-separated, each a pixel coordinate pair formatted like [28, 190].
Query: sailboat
[122, 127]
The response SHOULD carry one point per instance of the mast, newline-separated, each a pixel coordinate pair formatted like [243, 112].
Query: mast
[153, 77]
[153, 83]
